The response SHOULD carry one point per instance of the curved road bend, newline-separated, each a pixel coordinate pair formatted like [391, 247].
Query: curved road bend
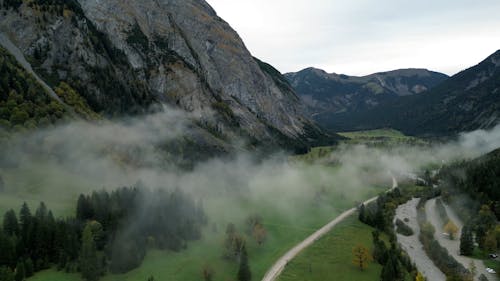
[280, 264]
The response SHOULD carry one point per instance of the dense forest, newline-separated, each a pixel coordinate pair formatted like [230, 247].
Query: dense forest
[396, 263]
[479, 179]
[111, 232]
[472, 187]
[23, 101]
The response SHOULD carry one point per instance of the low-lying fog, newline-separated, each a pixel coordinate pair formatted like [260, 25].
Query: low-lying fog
[60, 162]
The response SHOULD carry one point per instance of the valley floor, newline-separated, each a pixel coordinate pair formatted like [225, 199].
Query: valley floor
[330, 258]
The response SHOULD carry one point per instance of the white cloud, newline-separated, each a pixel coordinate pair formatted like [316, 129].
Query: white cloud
[363, 36]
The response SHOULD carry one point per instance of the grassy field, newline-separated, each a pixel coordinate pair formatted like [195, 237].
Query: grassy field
[382, 138]
[330, 258]
[379, 133]
[293, 203]
[283, 233]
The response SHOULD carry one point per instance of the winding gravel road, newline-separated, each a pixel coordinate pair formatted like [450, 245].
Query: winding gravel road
[280, 264]
[412, 245]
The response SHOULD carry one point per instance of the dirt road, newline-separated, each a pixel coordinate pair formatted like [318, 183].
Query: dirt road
[279, 265]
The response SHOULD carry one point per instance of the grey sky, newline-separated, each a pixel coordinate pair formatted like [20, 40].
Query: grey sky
[360, 37]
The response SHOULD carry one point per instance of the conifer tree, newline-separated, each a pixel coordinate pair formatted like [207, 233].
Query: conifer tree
[244, 273]
[6, 250]
[10, 223]
[392, 269]
[28, 267]
[25, 221]
[466, 242]
[89, 263]
[20, 272]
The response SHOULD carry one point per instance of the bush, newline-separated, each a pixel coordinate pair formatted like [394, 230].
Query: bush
[403, 229]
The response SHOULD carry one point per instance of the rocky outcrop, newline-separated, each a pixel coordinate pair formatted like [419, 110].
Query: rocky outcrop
[125, 56]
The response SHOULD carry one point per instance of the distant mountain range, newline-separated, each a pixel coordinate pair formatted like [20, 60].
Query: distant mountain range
[326, 93]
[417, 102]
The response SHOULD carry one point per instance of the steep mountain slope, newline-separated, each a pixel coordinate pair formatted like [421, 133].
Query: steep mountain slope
[479, 178]
[125, 57]
[326, 93]
[467, 101]
[23, 102]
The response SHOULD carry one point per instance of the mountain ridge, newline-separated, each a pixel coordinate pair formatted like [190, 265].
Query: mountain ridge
[467, 101]
[335, 93]
[123, 57]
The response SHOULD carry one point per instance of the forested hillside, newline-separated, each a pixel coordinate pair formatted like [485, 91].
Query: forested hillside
[467, 101]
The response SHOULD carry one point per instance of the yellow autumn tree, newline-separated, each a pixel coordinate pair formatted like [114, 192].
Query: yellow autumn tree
[452, 229]
[361, 257]
[419, 277]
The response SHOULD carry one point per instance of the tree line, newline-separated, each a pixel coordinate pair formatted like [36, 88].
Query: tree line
[477, 180]
[438, 254]
[111, 232]
[379, 214]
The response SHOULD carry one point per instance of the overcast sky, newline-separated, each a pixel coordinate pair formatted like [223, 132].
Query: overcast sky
[360, 37]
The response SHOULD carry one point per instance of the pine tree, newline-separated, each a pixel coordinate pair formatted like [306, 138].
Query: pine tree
[10, 223]
[380, 249]
[6, 250]
[466, 242]
[84, 209]
[20, 272]
[362, 213]
[41, 237]
[392, 269]
[28, 267]
[41, 212]
[379, 220]
[244, 273]
[388, 271]
[26, 221]
[89, 263]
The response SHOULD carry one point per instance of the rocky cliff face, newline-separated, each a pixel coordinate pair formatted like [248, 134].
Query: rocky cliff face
[124, 56]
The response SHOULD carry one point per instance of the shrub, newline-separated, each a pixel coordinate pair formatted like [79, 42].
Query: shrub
[403, 228]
